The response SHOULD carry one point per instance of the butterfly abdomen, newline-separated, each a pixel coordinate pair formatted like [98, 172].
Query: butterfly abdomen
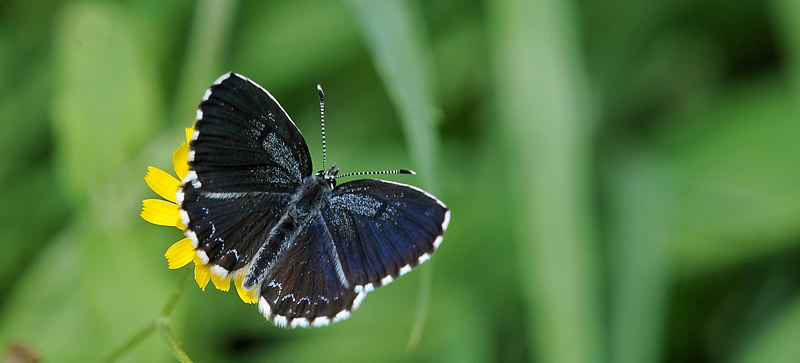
[311, 196]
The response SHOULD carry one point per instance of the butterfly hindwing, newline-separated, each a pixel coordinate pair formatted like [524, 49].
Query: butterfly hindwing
[383, 229]
[245, 142]
[223, 229]
[304, 287]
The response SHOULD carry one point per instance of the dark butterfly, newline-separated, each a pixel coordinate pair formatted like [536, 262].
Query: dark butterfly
[313, 250]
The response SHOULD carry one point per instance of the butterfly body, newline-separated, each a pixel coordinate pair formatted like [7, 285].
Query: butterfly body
[311, 196]
[311, 250]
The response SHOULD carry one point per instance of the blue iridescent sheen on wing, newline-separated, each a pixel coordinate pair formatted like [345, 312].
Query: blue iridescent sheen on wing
[305, 281]
[380, 227]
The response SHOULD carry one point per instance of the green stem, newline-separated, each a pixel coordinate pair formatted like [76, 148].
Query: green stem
[176, 293]
[162, 323]
[159, 323]
[209, 33]
[543, 109]
[423, 300]
[135, 340]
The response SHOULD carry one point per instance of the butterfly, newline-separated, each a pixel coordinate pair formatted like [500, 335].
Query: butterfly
[312, 249]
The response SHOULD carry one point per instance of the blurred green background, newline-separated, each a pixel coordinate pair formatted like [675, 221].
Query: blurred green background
[624, 176]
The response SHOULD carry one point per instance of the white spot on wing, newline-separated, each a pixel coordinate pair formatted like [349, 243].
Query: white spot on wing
[321, 321]
[199, 114]
[437, 242]
[264, 308]
[184, 217]
[192, 237]
[359, 298]
[446, 220]
[386, 280]
[280, 320]
[220, 271]
[404, 270]
[301, 322]
[202, 256]
[344, 314]
[423, 258]
[191, 177]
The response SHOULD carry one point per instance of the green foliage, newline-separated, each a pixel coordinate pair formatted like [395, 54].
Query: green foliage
[624, 177]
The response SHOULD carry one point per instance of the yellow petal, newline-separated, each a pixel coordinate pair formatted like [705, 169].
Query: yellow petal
[201, 273]
[161, 212]
[162, 183]
[248, 296]
[189, 131]
[220, 283]
[179, 254]
[180, 161]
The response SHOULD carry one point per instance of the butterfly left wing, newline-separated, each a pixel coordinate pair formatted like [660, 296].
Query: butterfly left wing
[246, 158]
[245, 142]
[383, 229]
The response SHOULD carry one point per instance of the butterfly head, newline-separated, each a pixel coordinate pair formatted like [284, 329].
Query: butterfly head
[329, 176]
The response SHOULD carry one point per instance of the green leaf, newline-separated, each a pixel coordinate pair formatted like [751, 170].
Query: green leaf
[776, 341]
[211, 25]
[640, 202]
[542, 111]
[735, 175]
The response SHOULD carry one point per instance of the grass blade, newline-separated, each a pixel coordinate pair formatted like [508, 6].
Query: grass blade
[543, 110]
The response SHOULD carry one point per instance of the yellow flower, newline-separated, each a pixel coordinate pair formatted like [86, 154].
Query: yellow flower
[166, 213]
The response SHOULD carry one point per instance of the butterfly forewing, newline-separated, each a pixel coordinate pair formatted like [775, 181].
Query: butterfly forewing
[245, 142]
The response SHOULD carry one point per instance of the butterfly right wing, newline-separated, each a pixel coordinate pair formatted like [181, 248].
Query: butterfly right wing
[383, 229]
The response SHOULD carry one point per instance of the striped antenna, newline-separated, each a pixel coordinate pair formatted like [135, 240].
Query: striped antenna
[324, 150]
[395, 171]
[322, 121]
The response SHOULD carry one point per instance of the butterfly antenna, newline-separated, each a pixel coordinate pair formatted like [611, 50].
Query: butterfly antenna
[395, 171]
[322, 121]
